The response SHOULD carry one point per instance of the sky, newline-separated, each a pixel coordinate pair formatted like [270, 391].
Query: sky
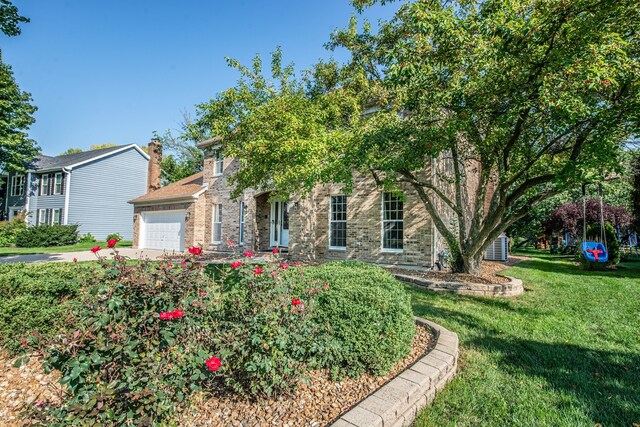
[115, 71]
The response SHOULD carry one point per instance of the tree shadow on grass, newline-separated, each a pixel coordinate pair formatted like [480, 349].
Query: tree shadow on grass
[608, 382]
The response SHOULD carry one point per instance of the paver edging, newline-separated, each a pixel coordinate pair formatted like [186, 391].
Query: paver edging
[399, 401]
[509, 289]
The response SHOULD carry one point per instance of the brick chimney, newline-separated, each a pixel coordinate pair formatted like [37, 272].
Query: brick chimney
[155, 156]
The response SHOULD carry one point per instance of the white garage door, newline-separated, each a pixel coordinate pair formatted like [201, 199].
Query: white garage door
[163, 230]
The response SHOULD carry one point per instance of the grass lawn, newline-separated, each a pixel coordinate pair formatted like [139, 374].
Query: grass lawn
[56, 249]
[565, 353]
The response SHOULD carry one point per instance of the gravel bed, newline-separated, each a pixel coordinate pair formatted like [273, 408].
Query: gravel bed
[313, 404]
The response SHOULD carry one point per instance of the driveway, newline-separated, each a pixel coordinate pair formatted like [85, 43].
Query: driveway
[81, 256]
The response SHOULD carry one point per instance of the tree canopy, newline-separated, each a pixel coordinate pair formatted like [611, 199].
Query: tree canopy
[523, 99]
[10, 19]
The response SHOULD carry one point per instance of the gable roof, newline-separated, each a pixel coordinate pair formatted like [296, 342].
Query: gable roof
[187, 188]
[68, 161]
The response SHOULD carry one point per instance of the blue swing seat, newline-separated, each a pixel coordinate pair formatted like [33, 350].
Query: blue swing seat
[587, 247]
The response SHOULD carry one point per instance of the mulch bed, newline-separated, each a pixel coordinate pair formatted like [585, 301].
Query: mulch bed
[488, 273]
[315, 404]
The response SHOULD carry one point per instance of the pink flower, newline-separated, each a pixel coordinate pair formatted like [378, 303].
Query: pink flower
[248, 253]
[284, 266]
[75, 259]
[273, 274]
[171, 315]
[258, 271]
[111, 243]
[95, 249]
[178, 314]
[296, 302]
[236, 264]
[213, 363]
[195, 250]
[274, 251]
[183, 262]
[230, 242]
[24, 342]
[170, 265]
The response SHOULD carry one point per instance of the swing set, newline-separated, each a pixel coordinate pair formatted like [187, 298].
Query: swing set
[593, 251]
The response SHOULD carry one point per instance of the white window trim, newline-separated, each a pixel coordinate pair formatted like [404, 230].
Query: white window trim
[242, 224]
[57, 179]
[44, 188]
[53, 216]
[382, 221]
[40, 220]
[216, 218]
[218, 162]
[335, 248]
[14, 185]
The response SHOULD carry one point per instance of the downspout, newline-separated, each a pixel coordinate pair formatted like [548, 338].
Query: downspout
[66, 186]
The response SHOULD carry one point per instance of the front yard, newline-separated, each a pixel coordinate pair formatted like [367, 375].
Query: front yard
[82, 246]
[565, 353]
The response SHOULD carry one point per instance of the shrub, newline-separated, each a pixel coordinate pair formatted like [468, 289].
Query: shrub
[365, 316]
[87, 238]
[34, 299]
[116, 236]
[47, 235]
[10, 229]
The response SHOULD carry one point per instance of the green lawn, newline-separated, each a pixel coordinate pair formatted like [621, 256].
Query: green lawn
[56, 249]
[566, 353]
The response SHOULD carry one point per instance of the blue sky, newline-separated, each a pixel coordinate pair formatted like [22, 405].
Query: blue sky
[115, 71]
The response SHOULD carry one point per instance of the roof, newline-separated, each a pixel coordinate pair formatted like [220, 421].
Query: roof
[70, 160]
[189, 187]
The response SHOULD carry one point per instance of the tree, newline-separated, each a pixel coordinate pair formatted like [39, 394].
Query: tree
[184, 158]
[522, 99]
[16, 110]
[71, 151]
[101, 146]
[569, 217]
[635, 194]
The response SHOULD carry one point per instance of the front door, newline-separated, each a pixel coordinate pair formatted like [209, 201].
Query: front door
[279, 224]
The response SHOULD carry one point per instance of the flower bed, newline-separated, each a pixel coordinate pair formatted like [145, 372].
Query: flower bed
[148, 338]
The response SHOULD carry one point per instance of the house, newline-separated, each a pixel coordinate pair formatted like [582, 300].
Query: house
[90, 189]
[366, 224]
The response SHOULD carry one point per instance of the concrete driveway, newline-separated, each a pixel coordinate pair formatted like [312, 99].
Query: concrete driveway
[81, 256]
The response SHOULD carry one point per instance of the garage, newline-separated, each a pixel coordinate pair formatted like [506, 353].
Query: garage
[163, 230]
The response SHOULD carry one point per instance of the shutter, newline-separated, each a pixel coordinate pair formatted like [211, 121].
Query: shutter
[52, 177]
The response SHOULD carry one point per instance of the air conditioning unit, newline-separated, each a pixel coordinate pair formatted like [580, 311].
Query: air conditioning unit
[498, 250]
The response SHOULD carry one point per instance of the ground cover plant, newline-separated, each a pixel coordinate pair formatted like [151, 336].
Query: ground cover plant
[566, 353]
[145, 335]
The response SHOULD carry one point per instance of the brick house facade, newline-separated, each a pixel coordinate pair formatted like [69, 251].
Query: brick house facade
[327, 224]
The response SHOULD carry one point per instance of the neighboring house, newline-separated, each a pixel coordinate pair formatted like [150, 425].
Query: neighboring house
[90, 189]
[367, 224]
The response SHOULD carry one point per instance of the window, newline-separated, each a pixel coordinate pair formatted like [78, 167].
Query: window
[217, 223]
[17, 185]
[218, 162]
[338, 222]
[57, 183]
[243, 209]
[44, 185]
[392, 222]
[56, 216]
[42, 216]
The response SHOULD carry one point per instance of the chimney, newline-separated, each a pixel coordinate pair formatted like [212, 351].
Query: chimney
[155, 156]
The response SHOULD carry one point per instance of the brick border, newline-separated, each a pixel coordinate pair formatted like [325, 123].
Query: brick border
[398, 402]
[510, 289]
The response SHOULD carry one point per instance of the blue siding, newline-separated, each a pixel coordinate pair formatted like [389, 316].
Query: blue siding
[99, 192]
[36, 201]
[14, 201]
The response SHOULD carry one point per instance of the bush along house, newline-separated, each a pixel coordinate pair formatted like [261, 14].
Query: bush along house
[367, 224]
[90, 189]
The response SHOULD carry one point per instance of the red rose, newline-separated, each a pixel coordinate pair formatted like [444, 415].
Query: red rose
[75, 259]
[296, 302]
[183, 262]
[230, 242]
[178, 314]
[213, 363]
[236, 264]
[170, 265]
[166, 315]
[248, 253]
[24, 342]
[95, 249]
[274, 251]
[284, 266]
[111, 243]
[258, 271]
[195, 250]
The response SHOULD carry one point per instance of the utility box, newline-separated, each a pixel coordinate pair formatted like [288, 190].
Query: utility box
[498, 250]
